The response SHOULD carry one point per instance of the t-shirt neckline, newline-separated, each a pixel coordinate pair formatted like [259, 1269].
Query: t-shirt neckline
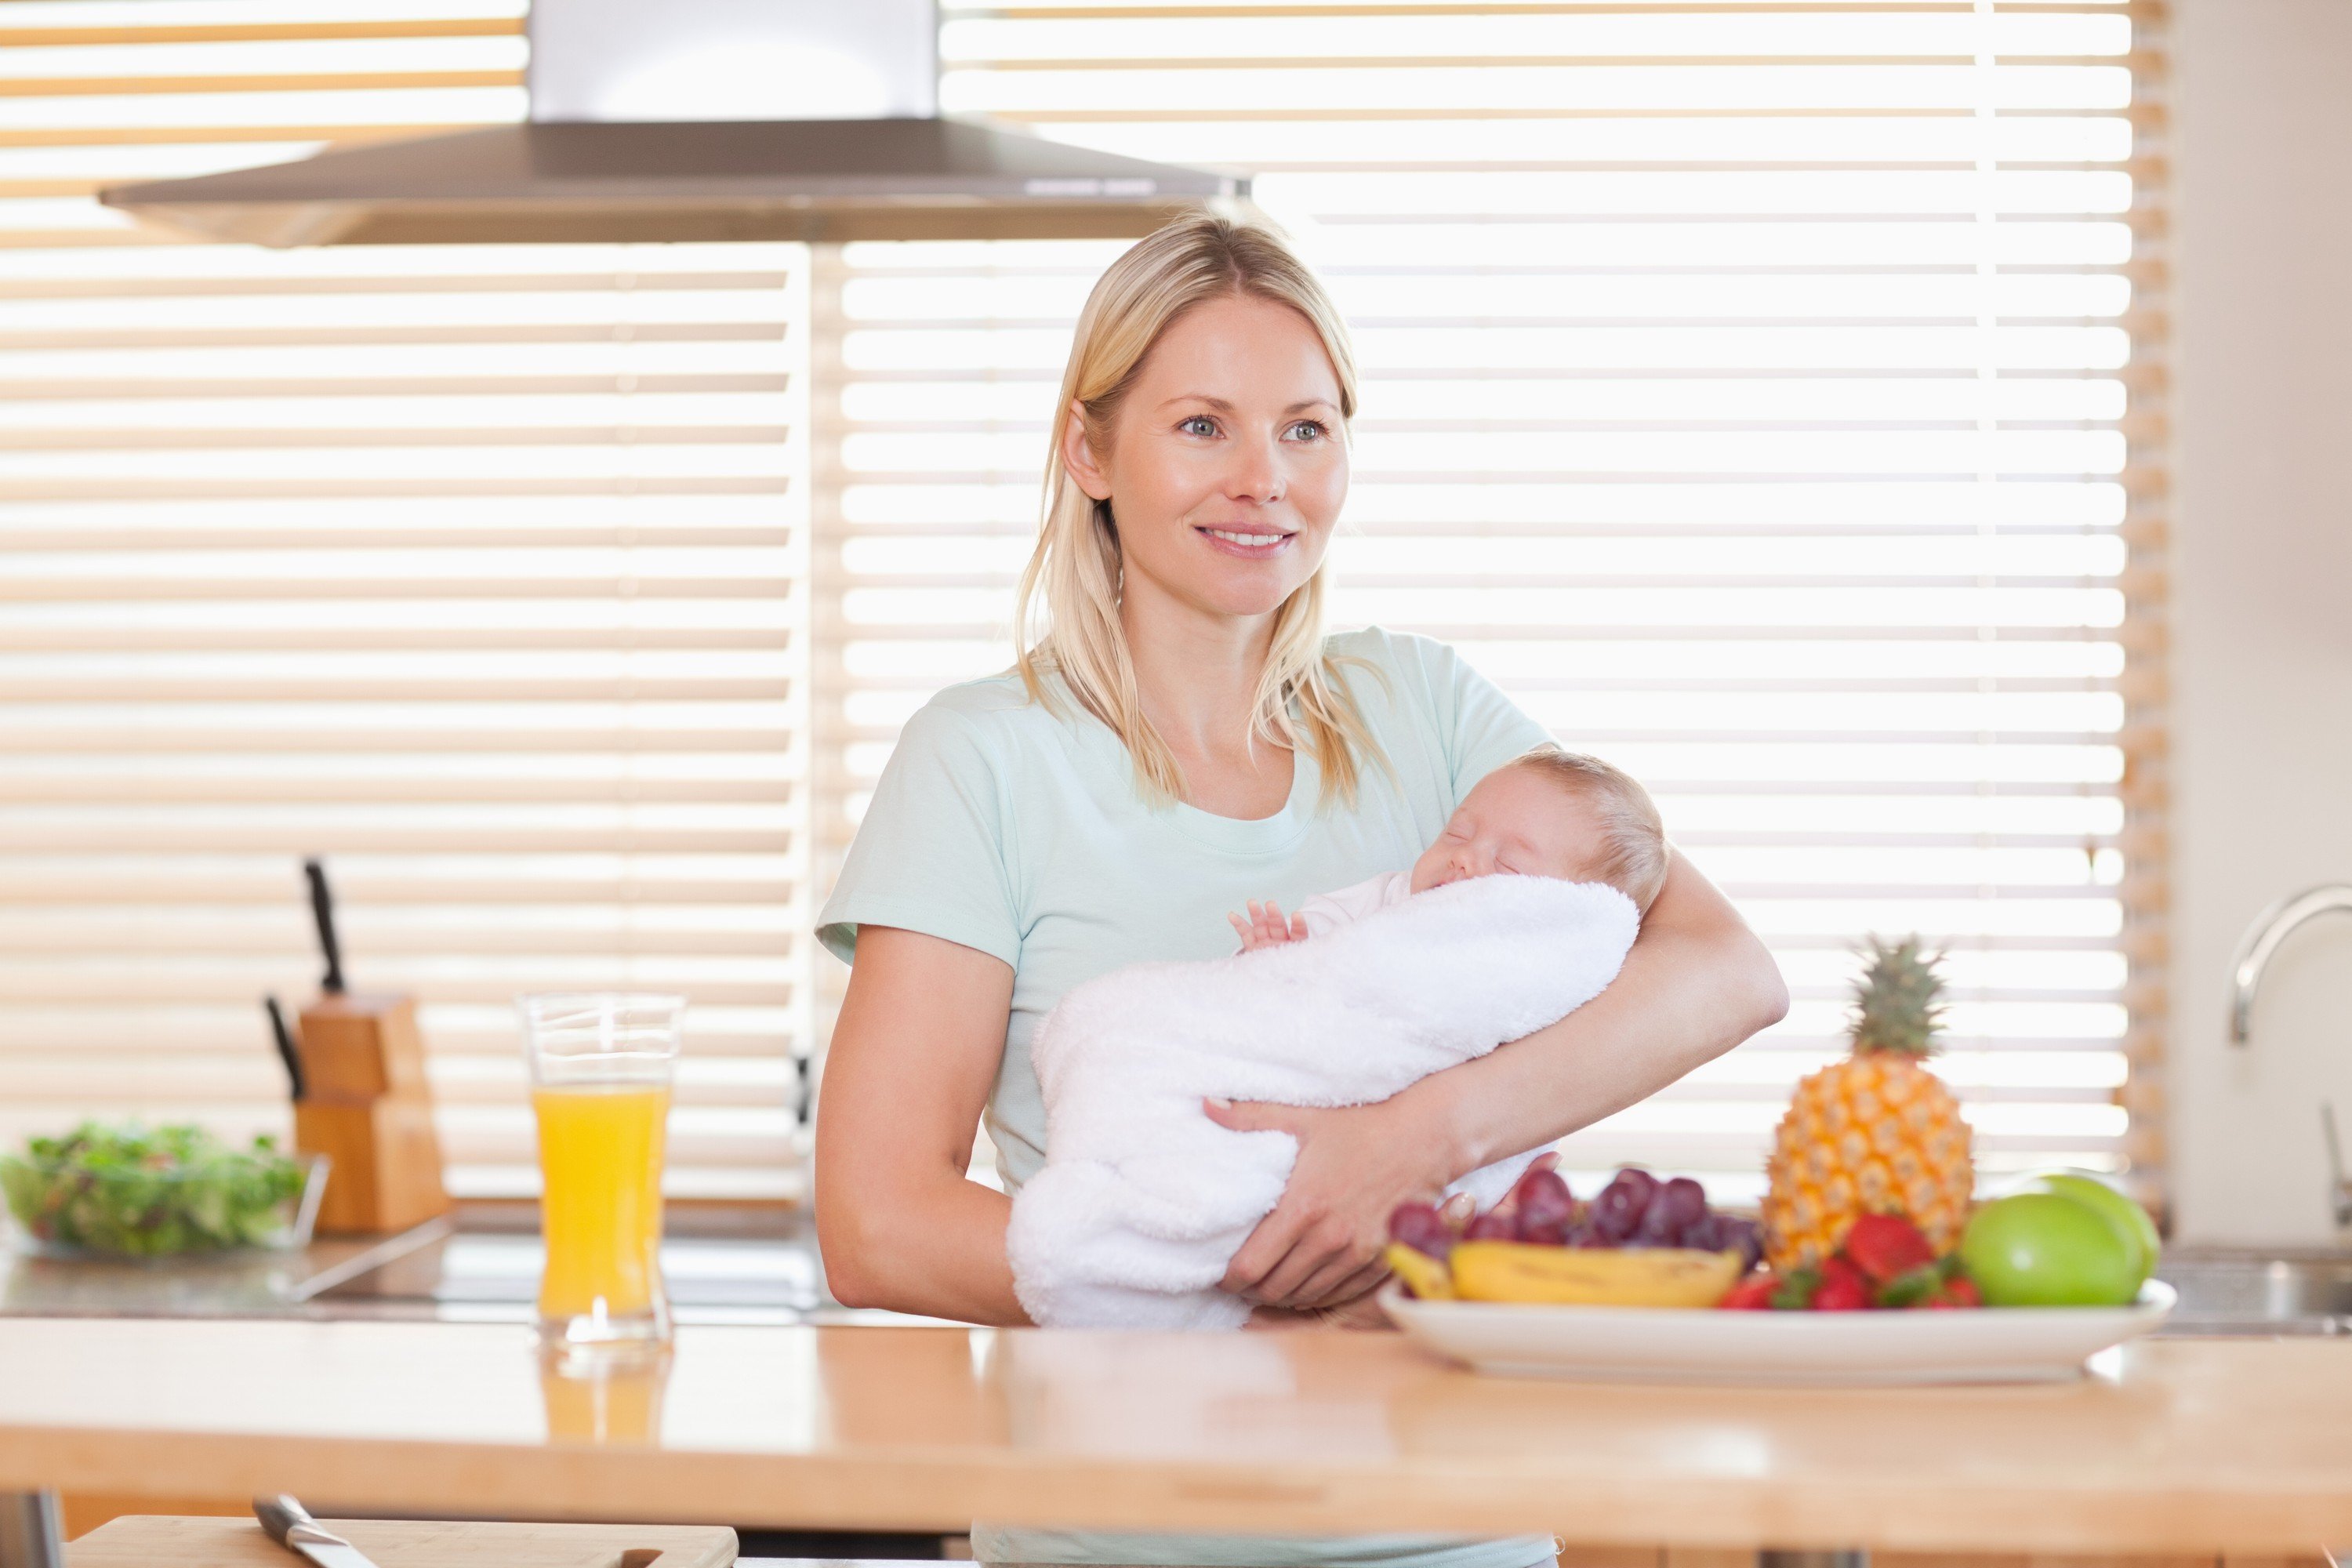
[1261, 835]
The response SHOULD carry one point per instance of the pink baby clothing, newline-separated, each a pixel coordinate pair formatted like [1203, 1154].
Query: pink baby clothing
[1328, 912]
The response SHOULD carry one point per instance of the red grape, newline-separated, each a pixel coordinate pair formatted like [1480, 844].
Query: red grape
[1421, 1227]
[1674, 1209]
[1543, 1202]
[1746, 1235]
[1492, 1226]
[1618, 1212]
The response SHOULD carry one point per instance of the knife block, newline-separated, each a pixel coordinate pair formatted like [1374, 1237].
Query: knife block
[366, 1106]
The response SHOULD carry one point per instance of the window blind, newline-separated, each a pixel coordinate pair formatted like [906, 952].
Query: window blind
[1750, 389]
[474, 570]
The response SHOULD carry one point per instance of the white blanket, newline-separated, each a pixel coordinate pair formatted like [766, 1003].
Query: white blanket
[1143, 1200]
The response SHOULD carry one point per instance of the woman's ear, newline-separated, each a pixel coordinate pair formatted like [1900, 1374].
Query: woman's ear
[1079, 458]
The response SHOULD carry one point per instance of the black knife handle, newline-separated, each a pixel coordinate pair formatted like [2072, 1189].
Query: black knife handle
[279, 1514]
[285, 1051]
[322, 911]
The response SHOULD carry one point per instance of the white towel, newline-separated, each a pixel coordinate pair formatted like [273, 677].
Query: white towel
[1143, 1200]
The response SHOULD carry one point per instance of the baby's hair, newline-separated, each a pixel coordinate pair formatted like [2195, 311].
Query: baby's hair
[1633, 841]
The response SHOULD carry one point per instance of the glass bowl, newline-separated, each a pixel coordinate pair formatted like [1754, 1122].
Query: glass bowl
[228, 1205]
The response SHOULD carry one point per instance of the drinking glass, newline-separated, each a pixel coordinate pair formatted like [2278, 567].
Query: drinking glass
[600, 1077]
[596, 1397]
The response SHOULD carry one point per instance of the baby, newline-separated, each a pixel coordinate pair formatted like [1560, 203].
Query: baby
[1143, 1198]
[1546, 813]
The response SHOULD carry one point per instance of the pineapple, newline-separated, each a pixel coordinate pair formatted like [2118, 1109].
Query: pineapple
[1877, 1132]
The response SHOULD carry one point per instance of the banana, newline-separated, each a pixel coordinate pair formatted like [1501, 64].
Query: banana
[1592, 1276]
[1423, 1275]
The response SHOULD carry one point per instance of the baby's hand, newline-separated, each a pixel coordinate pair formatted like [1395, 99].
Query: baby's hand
[1265, 926]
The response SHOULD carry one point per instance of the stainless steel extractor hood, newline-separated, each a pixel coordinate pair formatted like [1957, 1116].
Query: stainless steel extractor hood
[702, 119]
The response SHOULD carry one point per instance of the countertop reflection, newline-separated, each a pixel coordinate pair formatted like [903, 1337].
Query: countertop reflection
[724, 1265]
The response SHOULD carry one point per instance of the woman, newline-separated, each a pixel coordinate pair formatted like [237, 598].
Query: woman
[1179, 737]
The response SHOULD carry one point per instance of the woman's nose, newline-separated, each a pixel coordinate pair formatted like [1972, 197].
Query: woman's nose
[1256, 473]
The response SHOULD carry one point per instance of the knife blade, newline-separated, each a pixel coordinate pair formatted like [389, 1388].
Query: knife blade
[285, 1041]
[289, 1524]
[322, 911]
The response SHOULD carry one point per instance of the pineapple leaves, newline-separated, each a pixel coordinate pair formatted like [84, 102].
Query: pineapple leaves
[1899, 999]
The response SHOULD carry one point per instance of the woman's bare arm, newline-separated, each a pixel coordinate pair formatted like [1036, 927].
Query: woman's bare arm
[917, 1047]
[1696, 983]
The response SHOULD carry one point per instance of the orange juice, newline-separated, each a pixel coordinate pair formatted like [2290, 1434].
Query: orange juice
[599, 1403]
[600, 1163]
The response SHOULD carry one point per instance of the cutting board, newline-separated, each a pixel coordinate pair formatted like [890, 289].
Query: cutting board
[150, 1541]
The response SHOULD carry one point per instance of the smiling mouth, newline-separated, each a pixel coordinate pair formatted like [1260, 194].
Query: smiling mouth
[1249, 543]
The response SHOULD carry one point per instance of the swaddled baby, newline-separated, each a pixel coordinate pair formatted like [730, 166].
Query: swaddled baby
[1521, 912]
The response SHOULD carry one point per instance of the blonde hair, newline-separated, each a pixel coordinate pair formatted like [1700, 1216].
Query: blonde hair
[1632, 840]
[1066, 613]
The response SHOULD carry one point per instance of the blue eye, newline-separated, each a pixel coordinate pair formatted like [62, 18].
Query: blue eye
[1198, 424]
[1313, 431]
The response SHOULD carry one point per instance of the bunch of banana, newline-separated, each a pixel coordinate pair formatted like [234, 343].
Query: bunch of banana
[1569, 1276]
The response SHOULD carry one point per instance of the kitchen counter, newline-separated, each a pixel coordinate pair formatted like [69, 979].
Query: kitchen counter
[2178, 1445]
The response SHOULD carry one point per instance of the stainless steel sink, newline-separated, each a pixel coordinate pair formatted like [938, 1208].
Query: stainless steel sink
[2232, 1291]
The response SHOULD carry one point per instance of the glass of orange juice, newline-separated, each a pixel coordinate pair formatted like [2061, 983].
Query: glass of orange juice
[600, 1080]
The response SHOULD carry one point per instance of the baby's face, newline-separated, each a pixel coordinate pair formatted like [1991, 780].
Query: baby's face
[1514, 822]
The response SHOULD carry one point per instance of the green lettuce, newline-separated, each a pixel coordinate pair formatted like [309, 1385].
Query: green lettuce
[145, 1192]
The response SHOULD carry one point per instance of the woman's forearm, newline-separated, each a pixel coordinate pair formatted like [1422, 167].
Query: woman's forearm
[934, 1248]
[1696, 982]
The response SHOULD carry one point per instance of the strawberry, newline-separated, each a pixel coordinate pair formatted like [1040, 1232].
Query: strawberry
[1753, 1294]
[1959, 1292]
[1885, 1247]
[1844, 1288]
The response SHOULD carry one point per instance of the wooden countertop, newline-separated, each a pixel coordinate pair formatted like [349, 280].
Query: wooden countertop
[2186, 1445]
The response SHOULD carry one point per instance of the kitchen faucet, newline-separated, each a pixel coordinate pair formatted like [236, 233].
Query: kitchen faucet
[2262, 939]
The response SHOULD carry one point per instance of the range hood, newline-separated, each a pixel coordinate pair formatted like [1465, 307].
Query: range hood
[655, 122]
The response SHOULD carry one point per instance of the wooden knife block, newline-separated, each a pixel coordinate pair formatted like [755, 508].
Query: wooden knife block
[366, 1106]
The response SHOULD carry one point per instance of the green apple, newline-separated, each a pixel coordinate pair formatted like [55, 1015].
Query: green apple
[2122, 1211]
[2043, 1249]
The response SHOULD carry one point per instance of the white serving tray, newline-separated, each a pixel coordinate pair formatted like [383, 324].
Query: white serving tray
[1657, 1344]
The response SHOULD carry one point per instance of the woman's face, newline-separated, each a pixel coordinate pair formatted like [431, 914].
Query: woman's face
[1226, 467]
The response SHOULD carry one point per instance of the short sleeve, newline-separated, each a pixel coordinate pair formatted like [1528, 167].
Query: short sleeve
[931, 854]
[1483, 728]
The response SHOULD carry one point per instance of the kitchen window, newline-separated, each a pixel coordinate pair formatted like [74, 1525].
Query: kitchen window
[479, 571]
[1768, 396]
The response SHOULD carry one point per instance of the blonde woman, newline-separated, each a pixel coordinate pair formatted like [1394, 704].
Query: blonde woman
[1181, 736]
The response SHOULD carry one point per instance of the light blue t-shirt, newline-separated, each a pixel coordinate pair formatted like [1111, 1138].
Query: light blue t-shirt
[1005, 827]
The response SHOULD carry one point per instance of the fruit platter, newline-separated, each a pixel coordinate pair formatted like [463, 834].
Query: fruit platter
[1870, 1259]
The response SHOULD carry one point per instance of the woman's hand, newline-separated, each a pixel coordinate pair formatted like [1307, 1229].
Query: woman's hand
[1321, 1245]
